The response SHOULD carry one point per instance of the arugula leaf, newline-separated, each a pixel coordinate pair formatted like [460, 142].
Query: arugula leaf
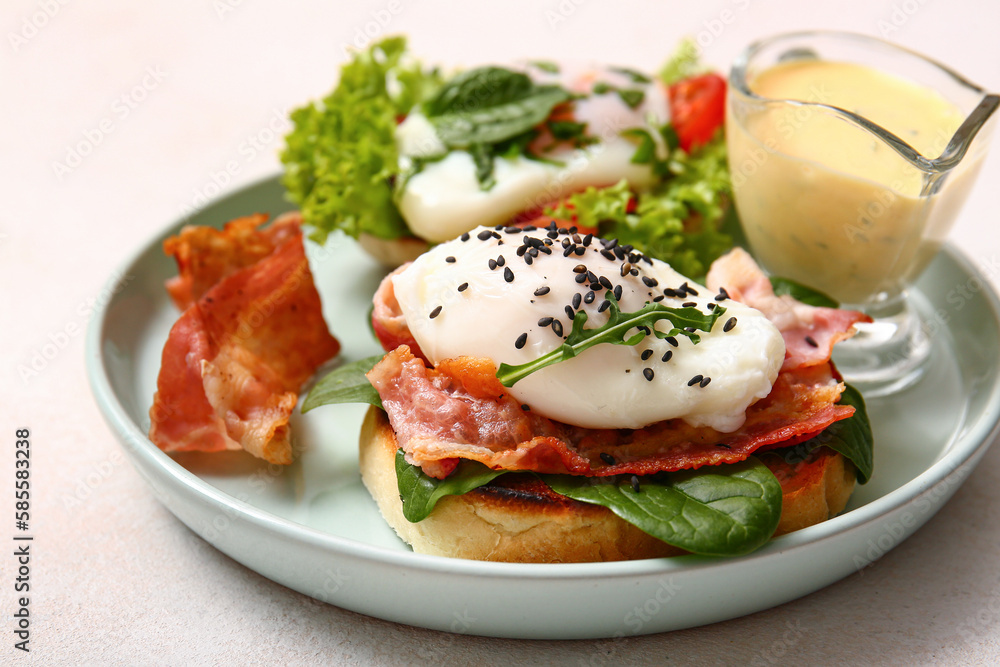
[420, 492]
[340, 157]
[346, 384]
[615, 331]
[723, 510]
[851, 437]
[800, 292]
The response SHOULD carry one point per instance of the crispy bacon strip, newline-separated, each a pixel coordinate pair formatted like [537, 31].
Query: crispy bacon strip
[460, 410]
[809, 332]
[235, 360]
[206, 255]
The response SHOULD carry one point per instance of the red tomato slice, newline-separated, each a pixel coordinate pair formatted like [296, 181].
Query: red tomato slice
[697, 108]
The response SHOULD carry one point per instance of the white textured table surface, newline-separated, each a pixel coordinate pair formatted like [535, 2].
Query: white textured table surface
[173, 97]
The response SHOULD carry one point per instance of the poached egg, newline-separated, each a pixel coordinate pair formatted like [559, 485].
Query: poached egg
[439, 202]
[510, 294]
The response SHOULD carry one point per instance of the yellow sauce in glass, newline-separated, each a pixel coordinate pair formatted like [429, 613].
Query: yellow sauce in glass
[826, 202]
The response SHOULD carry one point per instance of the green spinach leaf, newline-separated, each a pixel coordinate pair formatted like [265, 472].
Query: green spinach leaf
[725, 510]
[420, 493]
[851, 437]
[346, 384]
[800, 292]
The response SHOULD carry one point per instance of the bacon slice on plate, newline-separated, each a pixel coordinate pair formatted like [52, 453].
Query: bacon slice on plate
[809, 332]
[206, 255]
[234, 362]
[460, 410]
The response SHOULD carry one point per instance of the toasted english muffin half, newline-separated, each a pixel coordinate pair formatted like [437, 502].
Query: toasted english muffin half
[517, 518]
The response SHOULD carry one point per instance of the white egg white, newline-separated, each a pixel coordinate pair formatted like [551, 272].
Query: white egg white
[604, 386]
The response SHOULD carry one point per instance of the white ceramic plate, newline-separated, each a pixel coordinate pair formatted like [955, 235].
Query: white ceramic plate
[313, 527]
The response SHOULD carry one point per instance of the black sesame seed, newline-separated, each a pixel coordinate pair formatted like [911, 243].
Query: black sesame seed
[463, 287]
[666, 355]
[635, 483]
[607, 458]
[532, 252]
[589, 297]
[492, 264]
[646, 354]
[557, 327]
[604, 306]
[570, 313]
[626, 267]
[521, 250]
[595, 286]
[579, 268]
[730, 323]
[592, 277]
[704, 382]
[618, 293]
[711, 306]
[450, 259]
[649, 281]
[644, 329]
[512, 230]
[521, 340]
[483, 235]
[465, 236]
[722, 295]
[500, 260]
[608, 255]
[688, 304]
[581, 278]
[670, 292]
[545, 321]
[811, 341]
[587, 239]
[524, 406]
[648, 373]
[542, 291]
[657, 299]
[435, 312]
[689, 329]
[605, 282]
[577, 297]
[495, 235]
[579, 250]
[508, 275]
[528, 260]
[695, 380]
[568, 251]
[671, 340]
[498, 227]
[553, 234]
